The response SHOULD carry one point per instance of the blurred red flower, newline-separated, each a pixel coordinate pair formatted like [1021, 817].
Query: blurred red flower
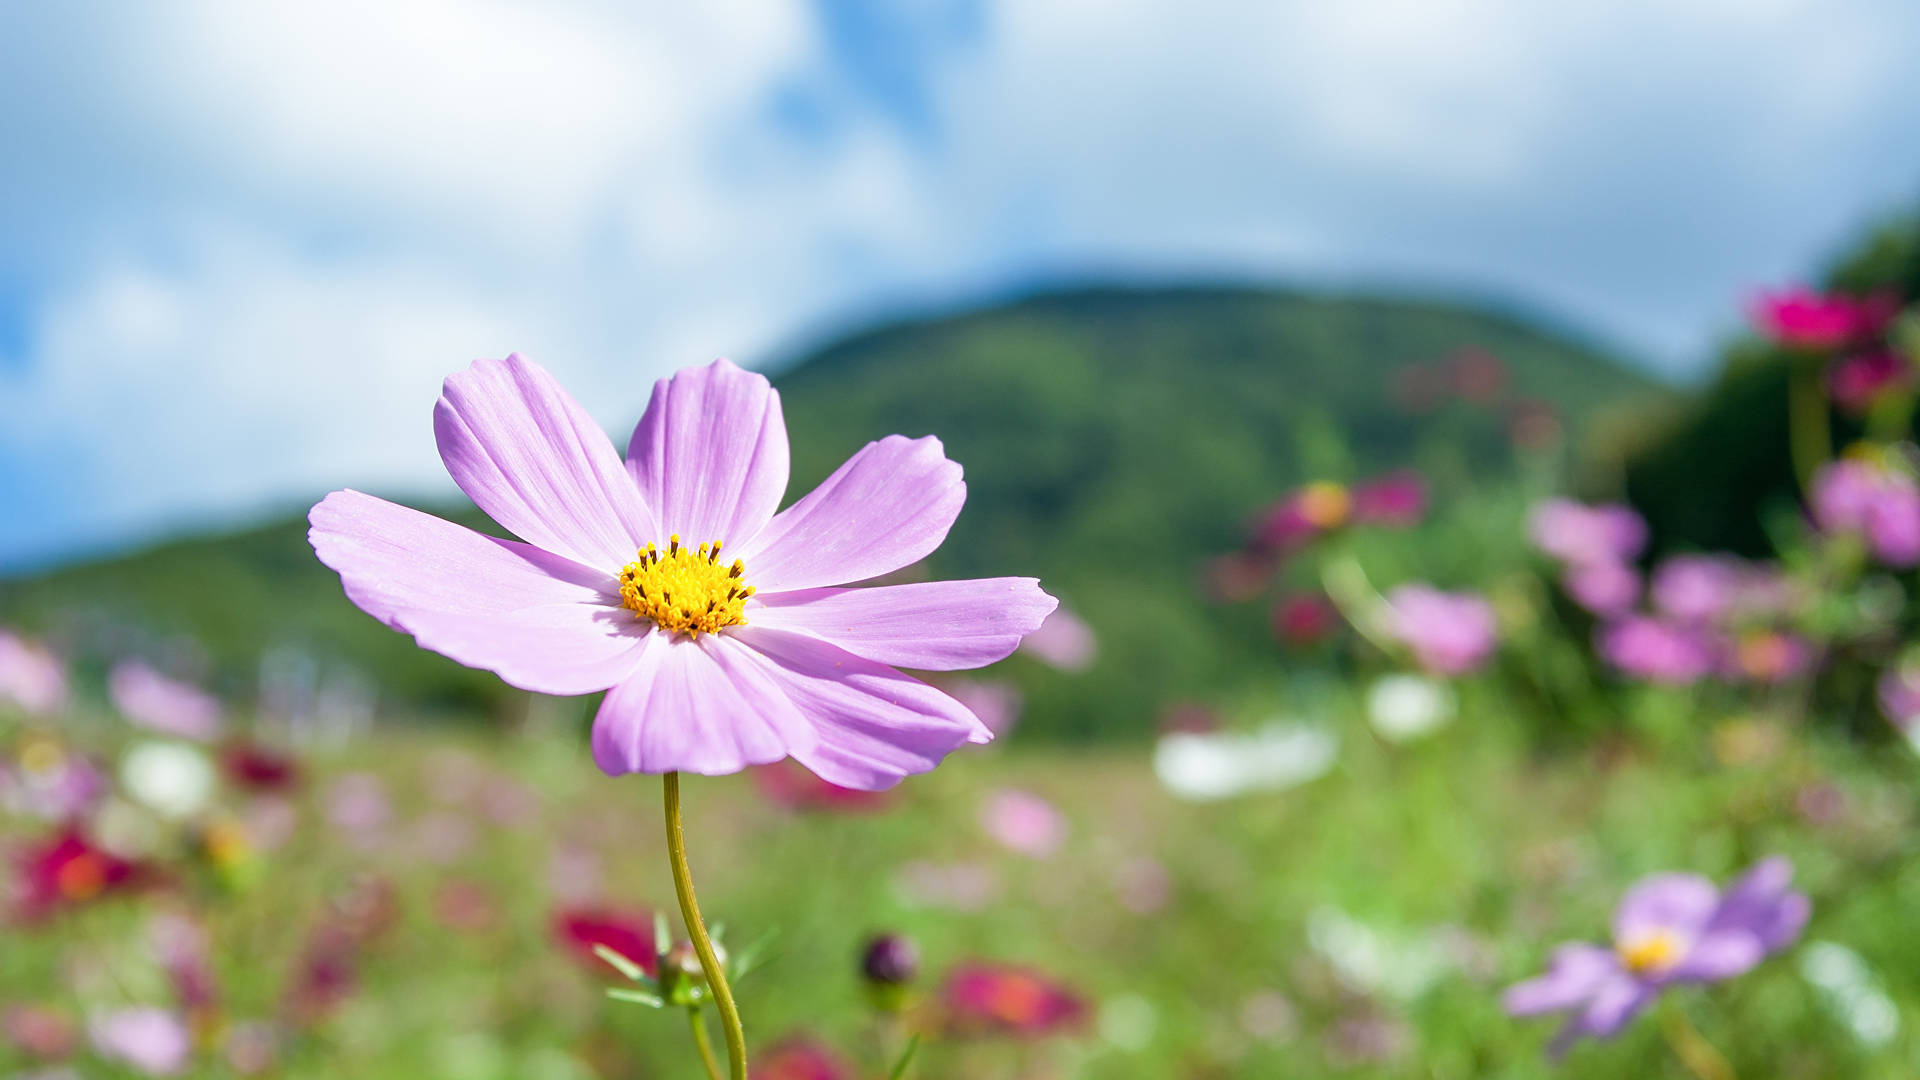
[1304, 619]
[986, 998]
[257, 768]
[800, 1058]
[785, 783]
[65, 870]
[628, 932]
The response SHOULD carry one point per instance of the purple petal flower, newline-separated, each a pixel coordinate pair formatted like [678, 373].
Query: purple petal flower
[994, 702]
[1581, 535]
[153, 1041]
[1023, 822]
[31, 676]
[1868, 499]
[1697, 588]
[1669, 929]
[712, 662]
[154, 701]
[1658, 650]
[1604, 588]
[1449, 633]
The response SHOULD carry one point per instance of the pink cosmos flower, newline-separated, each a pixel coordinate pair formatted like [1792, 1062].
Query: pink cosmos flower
[1604, 588]
[154, 701]
[1803, 319]
[1063, 640]
[986, 998]
[1697, 588]
[1024, 822]
[31, 677]
[1879, 503]
[1581, 535]
[1658, 650]
[712, 662]
[787, 784]
[1858, 381]
[1448, 633]
[153, 1041]
[995, 701]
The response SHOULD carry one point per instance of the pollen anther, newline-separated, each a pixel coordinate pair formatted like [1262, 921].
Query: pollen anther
[710, 594]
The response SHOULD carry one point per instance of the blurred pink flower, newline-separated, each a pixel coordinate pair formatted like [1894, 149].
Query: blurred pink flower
[1604, 588]
[154, 701]
[1866, 498]
[1899, 693]
[1582, 535]
[1697, 588]
[1803, 319]
[357, 802]
[1143, 884]
[1658, 650]
[995, 702]
[1448, 633]
[38, 1031]
[49, 781]
[1858, 381]
[1477, 375]
[626, 931]
[1064, 640]
[181, 946]
[31, 676]
[152, 1041]
[964, 886]
[1397, 500]
[1023, 822]
[785, 783]
[1304, 619]
[801, 1058]
[1769, 656]
[999, 999]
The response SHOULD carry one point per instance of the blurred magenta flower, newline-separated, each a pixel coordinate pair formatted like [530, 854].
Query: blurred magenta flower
[38, 1031]
[1670, 929]
[1658, 650]
[1581, 535]
[156, 702]
[1448, 633]
[1869, 499]
[1023, 822]
[628, 932]
[1063, 640]
[712, 665]
[1606, 589]
[1858, 381]
[31, 676]
[1304, 514]
[995, 702]
[1397, 500]
[1304, 619]
[997, 999]
[149, 1040]
[798, 1057]
[64, 870]
[787, 784]
[1697, 588]
[1803, 319]
[325, 975]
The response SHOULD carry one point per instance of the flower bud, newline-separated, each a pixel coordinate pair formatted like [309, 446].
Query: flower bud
[889, 963]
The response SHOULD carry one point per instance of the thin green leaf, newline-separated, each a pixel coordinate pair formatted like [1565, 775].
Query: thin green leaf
[621, 964]
[906, 1058]
[637, 997]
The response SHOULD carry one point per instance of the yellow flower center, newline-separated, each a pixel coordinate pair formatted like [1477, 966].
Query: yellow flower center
[1650, 955]
[1325, 504]
[686, 590]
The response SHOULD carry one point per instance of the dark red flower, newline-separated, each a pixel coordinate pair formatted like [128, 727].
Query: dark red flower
[627, 932]
[985, 998]
[1397, 500]
[327, 973]
[1304, 619]
[800, 1058]
[256, 768]
[787, 784]
[65, 870]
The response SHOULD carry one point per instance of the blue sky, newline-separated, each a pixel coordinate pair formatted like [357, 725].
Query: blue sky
[244, 242]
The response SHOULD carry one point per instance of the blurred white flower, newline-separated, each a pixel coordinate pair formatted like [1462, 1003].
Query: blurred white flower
[1372, 961]
[1405, 707]
[173, 780]
[1850, 989]
[1217, 765]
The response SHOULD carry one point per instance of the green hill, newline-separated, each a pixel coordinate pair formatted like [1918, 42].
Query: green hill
[1114, 439]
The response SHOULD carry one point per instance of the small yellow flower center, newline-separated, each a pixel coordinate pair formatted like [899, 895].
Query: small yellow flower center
[1650, 955]
[1325, 504]
[686, 590]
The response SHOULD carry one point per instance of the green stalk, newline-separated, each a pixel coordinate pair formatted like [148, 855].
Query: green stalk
[697, 930]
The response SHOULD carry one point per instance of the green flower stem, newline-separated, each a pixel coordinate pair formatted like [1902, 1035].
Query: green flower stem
[1809, 435]
[697, 930]
[698, 1024]
[1692, 1048]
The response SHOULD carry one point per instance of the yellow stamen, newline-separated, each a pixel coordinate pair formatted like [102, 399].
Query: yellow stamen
[1325, 505]
[686, 590]
[1650, 955]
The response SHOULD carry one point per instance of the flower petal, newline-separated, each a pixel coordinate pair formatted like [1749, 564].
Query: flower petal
[1572, 976]
[1615, 1001]
[930, 626]
[541, 622]
[887, 507]
[1721, 954]
[875, 726]
[1665, 903]
[529, 455]
[696, 706]
[710, 454]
